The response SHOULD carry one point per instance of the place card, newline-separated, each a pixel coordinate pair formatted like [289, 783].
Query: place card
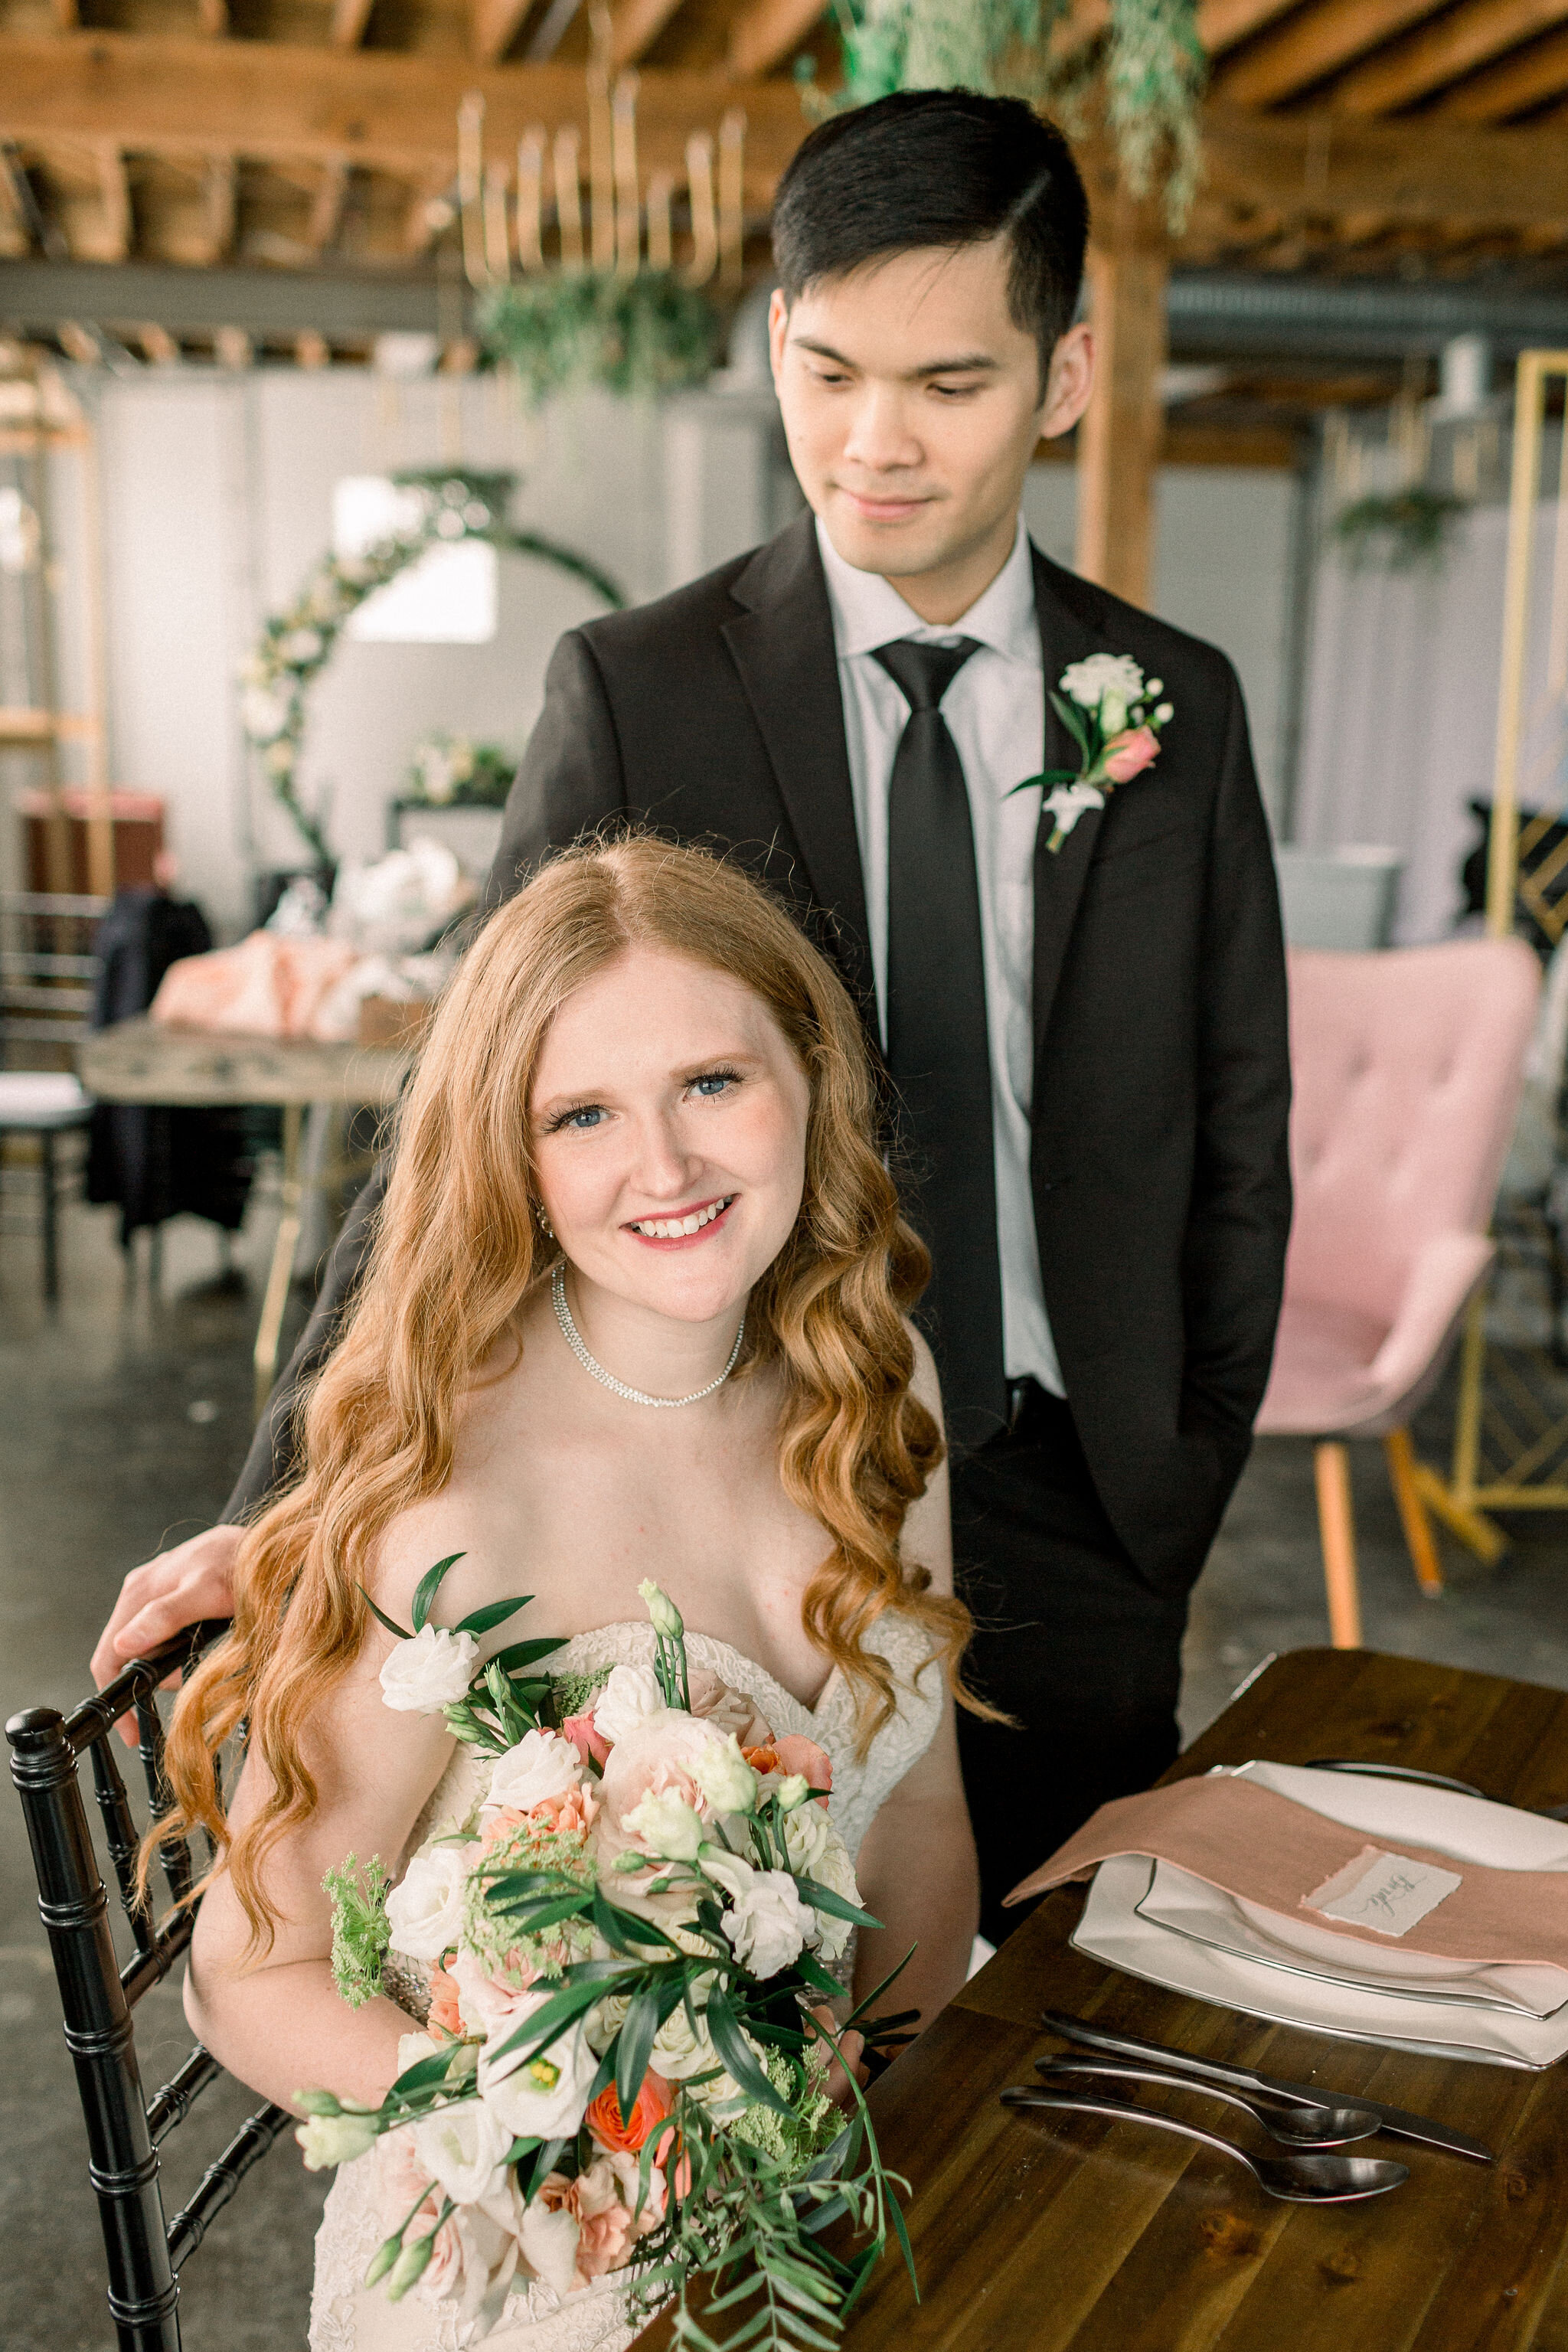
[1385, 1892]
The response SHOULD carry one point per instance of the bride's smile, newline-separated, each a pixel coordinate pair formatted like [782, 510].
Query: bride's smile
[668, 1120]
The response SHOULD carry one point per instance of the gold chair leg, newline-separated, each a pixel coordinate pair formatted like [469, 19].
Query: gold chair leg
[1336, 1525]
[1401, 1457]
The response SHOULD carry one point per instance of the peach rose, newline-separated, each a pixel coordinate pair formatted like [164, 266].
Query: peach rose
[580, 1730]
[577, 1809]
[1128, 754]
[597, 2201]
[654, 2102]
[446, 2013]
[727, 1710]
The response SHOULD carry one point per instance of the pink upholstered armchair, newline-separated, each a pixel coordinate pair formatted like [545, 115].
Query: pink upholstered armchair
[1407, 1069]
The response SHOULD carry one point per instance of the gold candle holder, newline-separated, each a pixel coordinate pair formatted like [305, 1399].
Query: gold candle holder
[569, 195]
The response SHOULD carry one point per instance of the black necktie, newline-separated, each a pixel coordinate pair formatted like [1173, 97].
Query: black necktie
[939, 1051]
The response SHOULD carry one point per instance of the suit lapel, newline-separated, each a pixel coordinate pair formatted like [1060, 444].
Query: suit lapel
[781, 644]
[1066, 636]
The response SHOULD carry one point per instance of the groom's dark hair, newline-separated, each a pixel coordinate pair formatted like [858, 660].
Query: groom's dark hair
[939, 167]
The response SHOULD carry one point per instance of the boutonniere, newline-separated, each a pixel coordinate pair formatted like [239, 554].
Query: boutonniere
[1111, 712]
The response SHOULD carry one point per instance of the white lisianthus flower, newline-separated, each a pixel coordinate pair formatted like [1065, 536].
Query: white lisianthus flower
[425, 1909]
[808, 1833]
[663, 1614]
[541, 1765]
[327, 2140]
[793, 1791]
[548, 2236]
[725, 1778]
[829, 1936]
[678, 2053]
[1165, 713]
[667, 1825]
[262, 713]
[1088, 681]
[1113, 713]
[412, 2048]
[629, 1697]
[542, 2097]
[768, 1924]
[464, 2148]
[430, 1670]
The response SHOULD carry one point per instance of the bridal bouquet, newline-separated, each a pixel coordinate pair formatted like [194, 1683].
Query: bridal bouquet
[628, 1945]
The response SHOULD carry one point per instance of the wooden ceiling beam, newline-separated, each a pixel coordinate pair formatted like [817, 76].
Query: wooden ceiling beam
[493, 26]
[1319, 42]
[1473, 35]
[397, 113]
[380, 109]
[350, 18]
[765, 32]
[1224, 24]
[1512, 86]
[635, 25]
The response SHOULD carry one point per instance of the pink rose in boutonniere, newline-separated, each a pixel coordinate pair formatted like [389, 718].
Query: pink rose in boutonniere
[1112, 714]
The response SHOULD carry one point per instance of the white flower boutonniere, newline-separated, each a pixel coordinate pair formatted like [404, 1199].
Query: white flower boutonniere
[1113, 716]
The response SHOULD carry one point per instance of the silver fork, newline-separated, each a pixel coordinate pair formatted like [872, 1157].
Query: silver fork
[1290, 2122]
[1299, 2179]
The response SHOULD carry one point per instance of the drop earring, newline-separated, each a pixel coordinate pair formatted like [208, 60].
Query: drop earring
[545, 1224]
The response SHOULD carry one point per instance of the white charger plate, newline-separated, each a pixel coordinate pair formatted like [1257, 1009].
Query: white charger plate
[1114, 1929]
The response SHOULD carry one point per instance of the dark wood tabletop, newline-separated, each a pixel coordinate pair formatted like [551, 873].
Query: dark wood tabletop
[1038, 2234]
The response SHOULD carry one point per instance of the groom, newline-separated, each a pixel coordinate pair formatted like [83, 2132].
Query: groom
[1085, 1029]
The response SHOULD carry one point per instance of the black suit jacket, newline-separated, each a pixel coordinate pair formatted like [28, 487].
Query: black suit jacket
[1161, 1085]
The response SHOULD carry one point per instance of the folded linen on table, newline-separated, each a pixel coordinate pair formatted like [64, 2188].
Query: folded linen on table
[1295, 1868]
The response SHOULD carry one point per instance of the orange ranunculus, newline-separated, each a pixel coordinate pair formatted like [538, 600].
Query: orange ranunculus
[654, 2102]
[762, 1759]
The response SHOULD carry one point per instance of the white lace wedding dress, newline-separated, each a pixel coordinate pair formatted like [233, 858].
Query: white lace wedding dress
[345, 2315]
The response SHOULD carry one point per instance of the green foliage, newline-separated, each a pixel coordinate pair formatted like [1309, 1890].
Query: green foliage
[1149, 64]
[1399, 531]
[575, 1693]
[635, 336]
[453, 771]
[360, 1932]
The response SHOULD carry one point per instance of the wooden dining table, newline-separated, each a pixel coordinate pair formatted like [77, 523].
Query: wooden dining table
[1039, 2232]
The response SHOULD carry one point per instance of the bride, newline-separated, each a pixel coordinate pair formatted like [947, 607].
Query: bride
[637, 1309]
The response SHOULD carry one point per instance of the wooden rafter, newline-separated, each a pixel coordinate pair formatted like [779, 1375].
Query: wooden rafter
[327, 206]
[350, 18]
[1442, 51]
[764, 32]
[1512, 86]
[1223, 24]
[115, 190]
[386, 111]
[1315, 44]
[635, 25]
[493, 26]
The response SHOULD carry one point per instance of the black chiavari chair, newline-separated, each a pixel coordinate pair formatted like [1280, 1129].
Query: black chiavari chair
[98, 1995]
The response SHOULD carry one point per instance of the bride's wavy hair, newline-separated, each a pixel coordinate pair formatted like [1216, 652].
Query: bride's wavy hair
[458, 1251]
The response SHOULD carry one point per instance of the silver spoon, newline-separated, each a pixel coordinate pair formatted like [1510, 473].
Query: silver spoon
[1289, 2121]
[1300, 2179]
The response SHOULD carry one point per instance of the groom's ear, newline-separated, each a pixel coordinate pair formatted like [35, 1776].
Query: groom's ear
[1069, 382]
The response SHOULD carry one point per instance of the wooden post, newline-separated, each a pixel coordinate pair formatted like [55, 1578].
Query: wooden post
[1118, 437]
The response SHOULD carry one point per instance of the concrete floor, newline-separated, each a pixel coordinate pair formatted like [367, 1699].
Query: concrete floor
[122, 1419]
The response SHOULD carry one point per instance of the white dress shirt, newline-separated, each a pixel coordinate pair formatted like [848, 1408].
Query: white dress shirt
[996, 711]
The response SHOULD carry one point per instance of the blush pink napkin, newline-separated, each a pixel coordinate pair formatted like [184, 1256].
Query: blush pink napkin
[269, 986]
[1252, 1843]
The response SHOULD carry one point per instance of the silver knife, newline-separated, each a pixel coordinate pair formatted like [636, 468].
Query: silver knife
[1397, 2121]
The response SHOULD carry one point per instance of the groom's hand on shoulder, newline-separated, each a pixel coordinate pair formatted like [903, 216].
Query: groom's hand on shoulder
[193, 1580]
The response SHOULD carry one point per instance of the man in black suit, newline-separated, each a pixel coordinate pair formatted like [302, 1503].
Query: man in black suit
[1087, 1041]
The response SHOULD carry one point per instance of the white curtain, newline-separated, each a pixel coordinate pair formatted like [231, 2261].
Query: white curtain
[1400, 710]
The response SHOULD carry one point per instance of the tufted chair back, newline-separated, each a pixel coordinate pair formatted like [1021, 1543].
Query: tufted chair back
[1407, 1067]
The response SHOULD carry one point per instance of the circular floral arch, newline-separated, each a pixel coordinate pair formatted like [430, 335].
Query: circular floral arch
[296, 643]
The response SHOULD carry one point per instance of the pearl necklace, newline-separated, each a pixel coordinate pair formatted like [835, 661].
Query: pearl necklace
[573, 1338]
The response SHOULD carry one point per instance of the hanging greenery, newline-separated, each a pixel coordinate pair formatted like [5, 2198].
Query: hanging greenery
[1148, 64]
[1399, 530]
[296, 643]
[639, 336]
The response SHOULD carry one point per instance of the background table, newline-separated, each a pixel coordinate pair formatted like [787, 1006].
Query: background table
[1038, 2234]
[144, 1061]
